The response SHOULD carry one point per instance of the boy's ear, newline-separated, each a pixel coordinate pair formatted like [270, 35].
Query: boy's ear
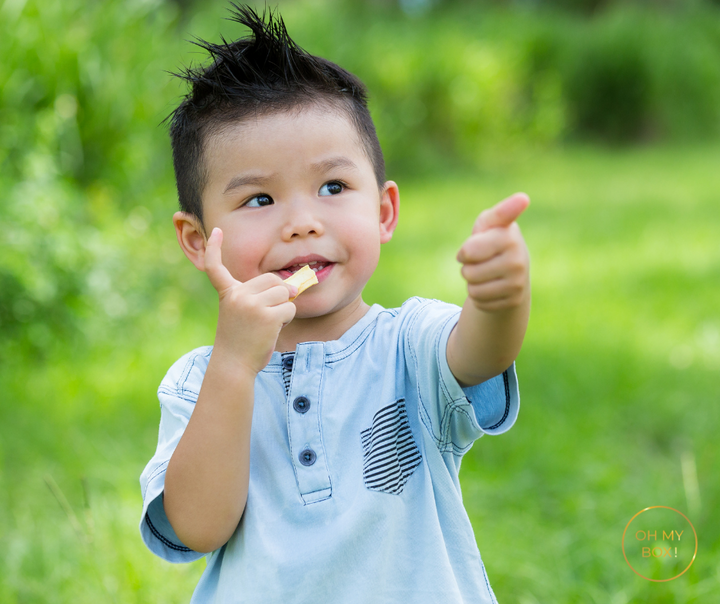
[389, 210]
[191, 237]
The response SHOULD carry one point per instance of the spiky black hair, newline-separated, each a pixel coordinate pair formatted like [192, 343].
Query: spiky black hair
[260, 74]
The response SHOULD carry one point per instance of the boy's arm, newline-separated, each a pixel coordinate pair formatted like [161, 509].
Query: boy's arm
[206, 482]
[492, 324]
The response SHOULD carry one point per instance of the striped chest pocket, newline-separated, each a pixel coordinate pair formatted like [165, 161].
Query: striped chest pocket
[390, 453]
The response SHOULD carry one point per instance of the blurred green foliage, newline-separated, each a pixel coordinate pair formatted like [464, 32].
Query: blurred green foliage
[84, 165]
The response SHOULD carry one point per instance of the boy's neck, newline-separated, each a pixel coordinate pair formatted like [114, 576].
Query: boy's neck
[321, 329]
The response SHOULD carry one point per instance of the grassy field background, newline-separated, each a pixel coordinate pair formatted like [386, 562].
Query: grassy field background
[618, 384]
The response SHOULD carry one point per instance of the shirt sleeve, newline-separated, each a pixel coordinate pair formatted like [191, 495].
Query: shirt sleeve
[455, 416]
[177, 394]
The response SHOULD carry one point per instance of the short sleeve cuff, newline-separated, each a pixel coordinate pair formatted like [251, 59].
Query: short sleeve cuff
[155, 528]
[496, 402]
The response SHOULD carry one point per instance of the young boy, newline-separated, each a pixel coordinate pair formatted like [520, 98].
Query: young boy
[312, 454]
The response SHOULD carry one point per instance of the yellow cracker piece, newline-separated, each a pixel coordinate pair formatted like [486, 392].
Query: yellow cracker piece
[302, 279]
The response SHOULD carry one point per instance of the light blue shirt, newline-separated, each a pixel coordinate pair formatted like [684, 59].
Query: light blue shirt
[355, 450]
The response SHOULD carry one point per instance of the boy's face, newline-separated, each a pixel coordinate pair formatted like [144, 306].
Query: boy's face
[293, 188]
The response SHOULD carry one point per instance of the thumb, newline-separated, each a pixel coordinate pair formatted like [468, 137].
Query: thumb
[216, 271]
[502, 214]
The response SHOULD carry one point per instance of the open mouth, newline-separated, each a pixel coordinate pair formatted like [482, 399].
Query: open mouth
[315, 266]
[321, 268]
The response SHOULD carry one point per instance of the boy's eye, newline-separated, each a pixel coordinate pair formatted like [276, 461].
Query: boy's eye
[331, 188]
[259, 201]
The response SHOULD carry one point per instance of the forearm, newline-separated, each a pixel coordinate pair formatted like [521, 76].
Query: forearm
[483, 344]
[206, 482]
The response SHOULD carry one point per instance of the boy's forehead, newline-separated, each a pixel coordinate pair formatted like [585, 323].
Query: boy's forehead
[300, 134]
[286, 122]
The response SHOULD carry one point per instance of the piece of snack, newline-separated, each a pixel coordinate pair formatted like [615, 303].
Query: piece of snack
[302, 279]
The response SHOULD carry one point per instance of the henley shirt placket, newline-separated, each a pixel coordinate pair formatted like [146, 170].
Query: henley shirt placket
[304, 423]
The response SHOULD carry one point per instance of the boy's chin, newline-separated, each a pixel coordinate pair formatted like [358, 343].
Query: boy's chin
[310, 311]
[317, 307]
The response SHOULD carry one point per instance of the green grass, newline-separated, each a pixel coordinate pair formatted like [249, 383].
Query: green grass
[618, 381]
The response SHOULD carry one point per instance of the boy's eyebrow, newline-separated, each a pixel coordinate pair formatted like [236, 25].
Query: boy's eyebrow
[246, 179]
[334, 162]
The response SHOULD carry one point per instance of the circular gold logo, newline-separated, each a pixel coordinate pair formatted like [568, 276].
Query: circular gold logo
[659, 543]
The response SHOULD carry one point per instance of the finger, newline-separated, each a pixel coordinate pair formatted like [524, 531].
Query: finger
[293, 290]
[494, 305]
[502, 214]
[274, 296]
[285, 312]
[485, 271]
[493, 291]
[511, 264]
[480, 247]
[219, 276]
[266, 281]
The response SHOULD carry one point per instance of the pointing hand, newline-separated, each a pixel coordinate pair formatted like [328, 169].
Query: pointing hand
[495, 258]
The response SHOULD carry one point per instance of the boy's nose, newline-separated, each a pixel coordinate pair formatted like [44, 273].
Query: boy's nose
[301, 222]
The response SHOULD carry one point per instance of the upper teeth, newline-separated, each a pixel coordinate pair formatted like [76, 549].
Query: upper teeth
[311, 264]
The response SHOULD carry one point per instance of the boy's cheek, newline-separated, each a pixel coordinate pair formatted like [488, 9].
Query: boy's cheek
[241, 271]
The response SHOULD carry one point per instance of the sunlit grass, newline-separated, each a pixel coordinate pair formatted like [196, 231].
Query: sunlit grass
[618, 382]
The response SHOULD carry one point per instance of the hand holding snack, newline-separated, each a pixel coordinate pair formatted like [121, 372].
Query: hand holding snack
[251, 313]
[495, 258]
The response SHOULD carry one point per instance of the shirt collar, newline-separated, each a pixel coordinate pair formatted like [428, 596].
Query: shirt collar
[347, 340]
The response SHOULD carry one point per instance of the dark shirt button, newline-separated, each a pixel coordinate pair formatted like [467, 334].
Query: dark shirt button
[301, 404]
[288, 362]
[307, 457]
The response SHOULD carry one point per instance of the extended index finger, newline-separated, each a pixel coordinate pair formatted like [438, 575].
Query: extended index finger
[216, 271]
[503, 213]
